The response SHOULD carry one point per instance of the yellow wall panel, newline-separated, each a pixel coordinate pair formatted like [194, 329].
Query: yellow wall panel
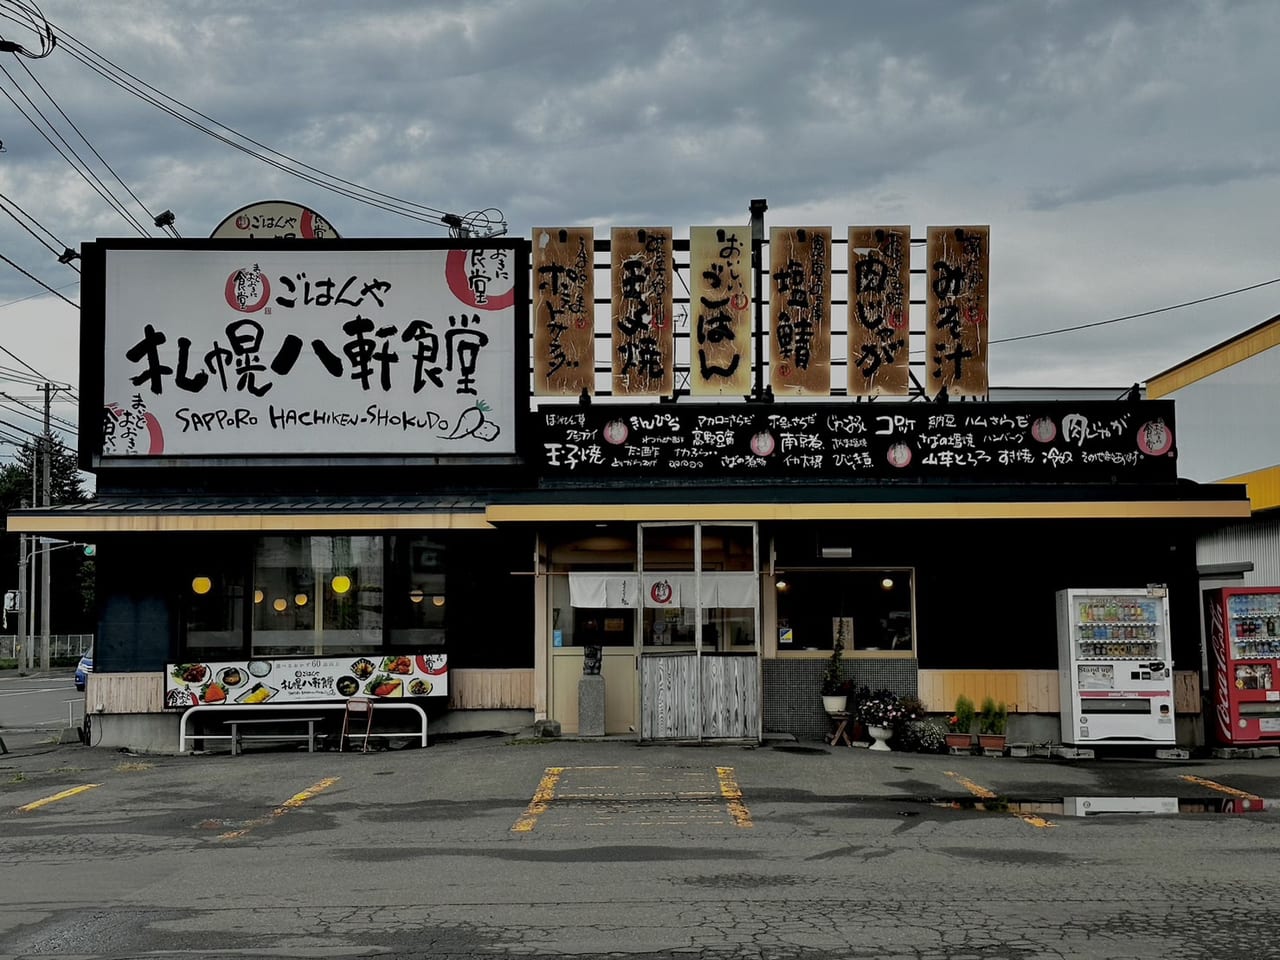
[1024, 691]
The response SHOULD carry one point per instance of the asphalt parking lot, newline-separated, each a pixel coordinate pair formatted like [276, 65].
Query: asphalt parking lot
[501, 844]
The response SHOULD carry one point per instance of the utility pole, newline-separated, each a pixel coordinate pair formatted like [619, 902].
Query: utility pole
[24, 658]
[29, 617]
[47, 443]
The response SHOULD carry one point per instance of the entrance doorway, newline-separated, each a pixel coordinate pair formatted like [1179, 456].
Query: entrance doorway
[698, 633]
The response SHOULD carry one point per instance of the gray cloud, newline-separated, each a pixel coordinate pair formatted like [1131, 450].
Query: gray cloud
[1079, 131]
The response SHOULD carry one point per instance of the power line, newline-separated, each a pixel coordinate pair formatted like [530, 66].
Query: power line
[32, 296]
[78, 54]
[292, 166]
[36, 279]
[52, 418]
[1134, 316]
[17, 376]
[8, 438]
[64, 116]
[22, 430]
[39, 26]
[7, 202]
[78, 164]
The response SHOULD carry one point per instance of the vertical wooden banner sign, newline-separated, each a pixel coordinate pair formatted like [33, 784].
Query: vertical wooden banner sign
[643, 331]
[800, 311]
[879, 311]
[720, 304]
[957, 311]
[563, 311]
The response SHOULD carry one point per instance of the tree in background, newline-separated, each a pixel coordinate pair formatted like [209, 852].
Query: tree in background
[71, 592]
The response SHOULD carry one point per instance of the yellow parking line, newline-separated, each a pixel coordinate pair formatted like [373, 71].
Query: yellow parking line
[975, 789]
[542, 798]
[1221, 788]
[1035, 820]
[37, 804]
[983, 793]
[733, 797]
[297, 800]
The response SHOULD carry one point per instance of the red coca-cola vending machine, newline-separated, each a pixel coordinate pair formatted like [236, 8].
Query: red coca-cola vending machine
[1243, 628]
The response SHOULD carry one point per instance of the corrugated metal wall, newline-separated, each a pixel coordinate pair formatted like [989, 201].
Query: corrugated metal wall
[1257, 540]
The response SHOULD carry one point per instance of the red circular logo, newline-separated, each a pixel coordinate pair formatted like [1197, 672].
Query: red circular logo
[247, 290]
[1044, 430]
[661, 591]
[899, 455]
[1155, 439]
[476, 286]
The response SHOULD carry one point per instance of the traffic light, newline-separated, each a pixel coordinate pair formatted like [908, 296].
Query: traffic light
[90, 549]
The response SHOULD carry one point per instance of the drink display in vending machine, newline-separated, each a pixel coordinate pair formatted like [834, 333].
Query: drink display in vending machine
[1242, 625]
[1115, 669]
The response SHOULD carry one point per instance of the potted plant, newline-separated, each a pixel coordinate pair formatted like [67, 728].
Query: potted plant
[960, 726]
[992, 721]
[881, 711]
[836, 687]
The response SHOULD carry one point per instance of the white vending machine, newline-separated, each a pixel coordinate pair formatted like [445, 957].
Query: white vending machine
[1115, 671]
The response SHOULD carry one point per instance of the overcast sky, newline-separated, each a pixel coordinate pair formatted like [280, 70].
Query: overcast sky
[1125, 155]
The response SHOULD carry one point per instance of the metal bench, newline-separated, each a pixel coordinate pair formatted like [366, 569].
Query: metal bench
[185, 734]
[237, 736]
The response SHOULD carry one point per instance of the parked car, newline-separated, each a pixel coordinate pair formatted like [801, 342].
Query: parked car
[83, 669]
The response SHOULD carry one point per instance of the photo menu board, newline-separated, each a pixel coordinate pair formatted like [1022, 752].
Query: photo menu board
[1084, 442]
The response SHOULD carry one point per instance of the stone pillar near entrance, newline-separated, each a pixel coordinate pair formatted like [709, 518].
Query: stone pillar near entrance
[591, 695]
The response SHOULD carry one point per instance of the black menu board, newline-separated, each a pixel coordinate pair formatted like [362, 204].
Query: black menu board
[1059, 441]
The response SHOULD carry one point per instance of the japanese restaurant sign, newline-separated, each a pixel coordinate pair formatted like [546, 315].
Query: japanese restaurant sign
[957, 311]
[643, 325]
[720, 304]
[1089, 441]
[563, 311]
[879, 311]
[800, 311]
[274, 219]
[213, 348]
[303, 680]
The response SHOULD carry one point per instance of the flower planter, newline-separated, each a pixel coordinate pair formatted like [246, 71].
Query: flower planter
[959, 743]
[881, 736]
[834, 704]
[992, 744]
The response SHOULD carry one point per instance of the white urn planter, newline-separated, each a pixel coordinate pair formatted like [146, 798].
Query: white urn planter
[881, 736]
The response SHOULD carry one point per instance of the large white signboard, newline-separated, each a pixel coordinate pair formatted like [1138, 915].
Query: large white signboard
[270, 351]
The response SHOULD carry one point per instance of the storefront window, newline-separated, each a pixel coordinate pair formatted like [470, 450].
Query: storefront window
[668, 587]
[317, 596]
[876, 607]
[597, 594]
[213, 611]
[417, 598]
[594, 589]
[728, 548]
[729, 628]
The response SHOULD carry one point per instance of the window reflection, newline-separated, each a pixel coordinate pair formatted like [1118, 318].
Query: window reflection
[417, 595]
[874, 605]
[320, 596]
[213, 610]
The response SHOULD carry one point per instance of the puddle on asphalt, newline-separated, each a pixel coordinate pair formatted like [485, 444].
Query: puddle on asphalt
[1106, 806]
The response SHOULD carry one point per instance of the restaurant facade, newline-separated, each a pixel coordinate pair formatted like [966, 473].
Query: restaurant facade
[448, 474]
